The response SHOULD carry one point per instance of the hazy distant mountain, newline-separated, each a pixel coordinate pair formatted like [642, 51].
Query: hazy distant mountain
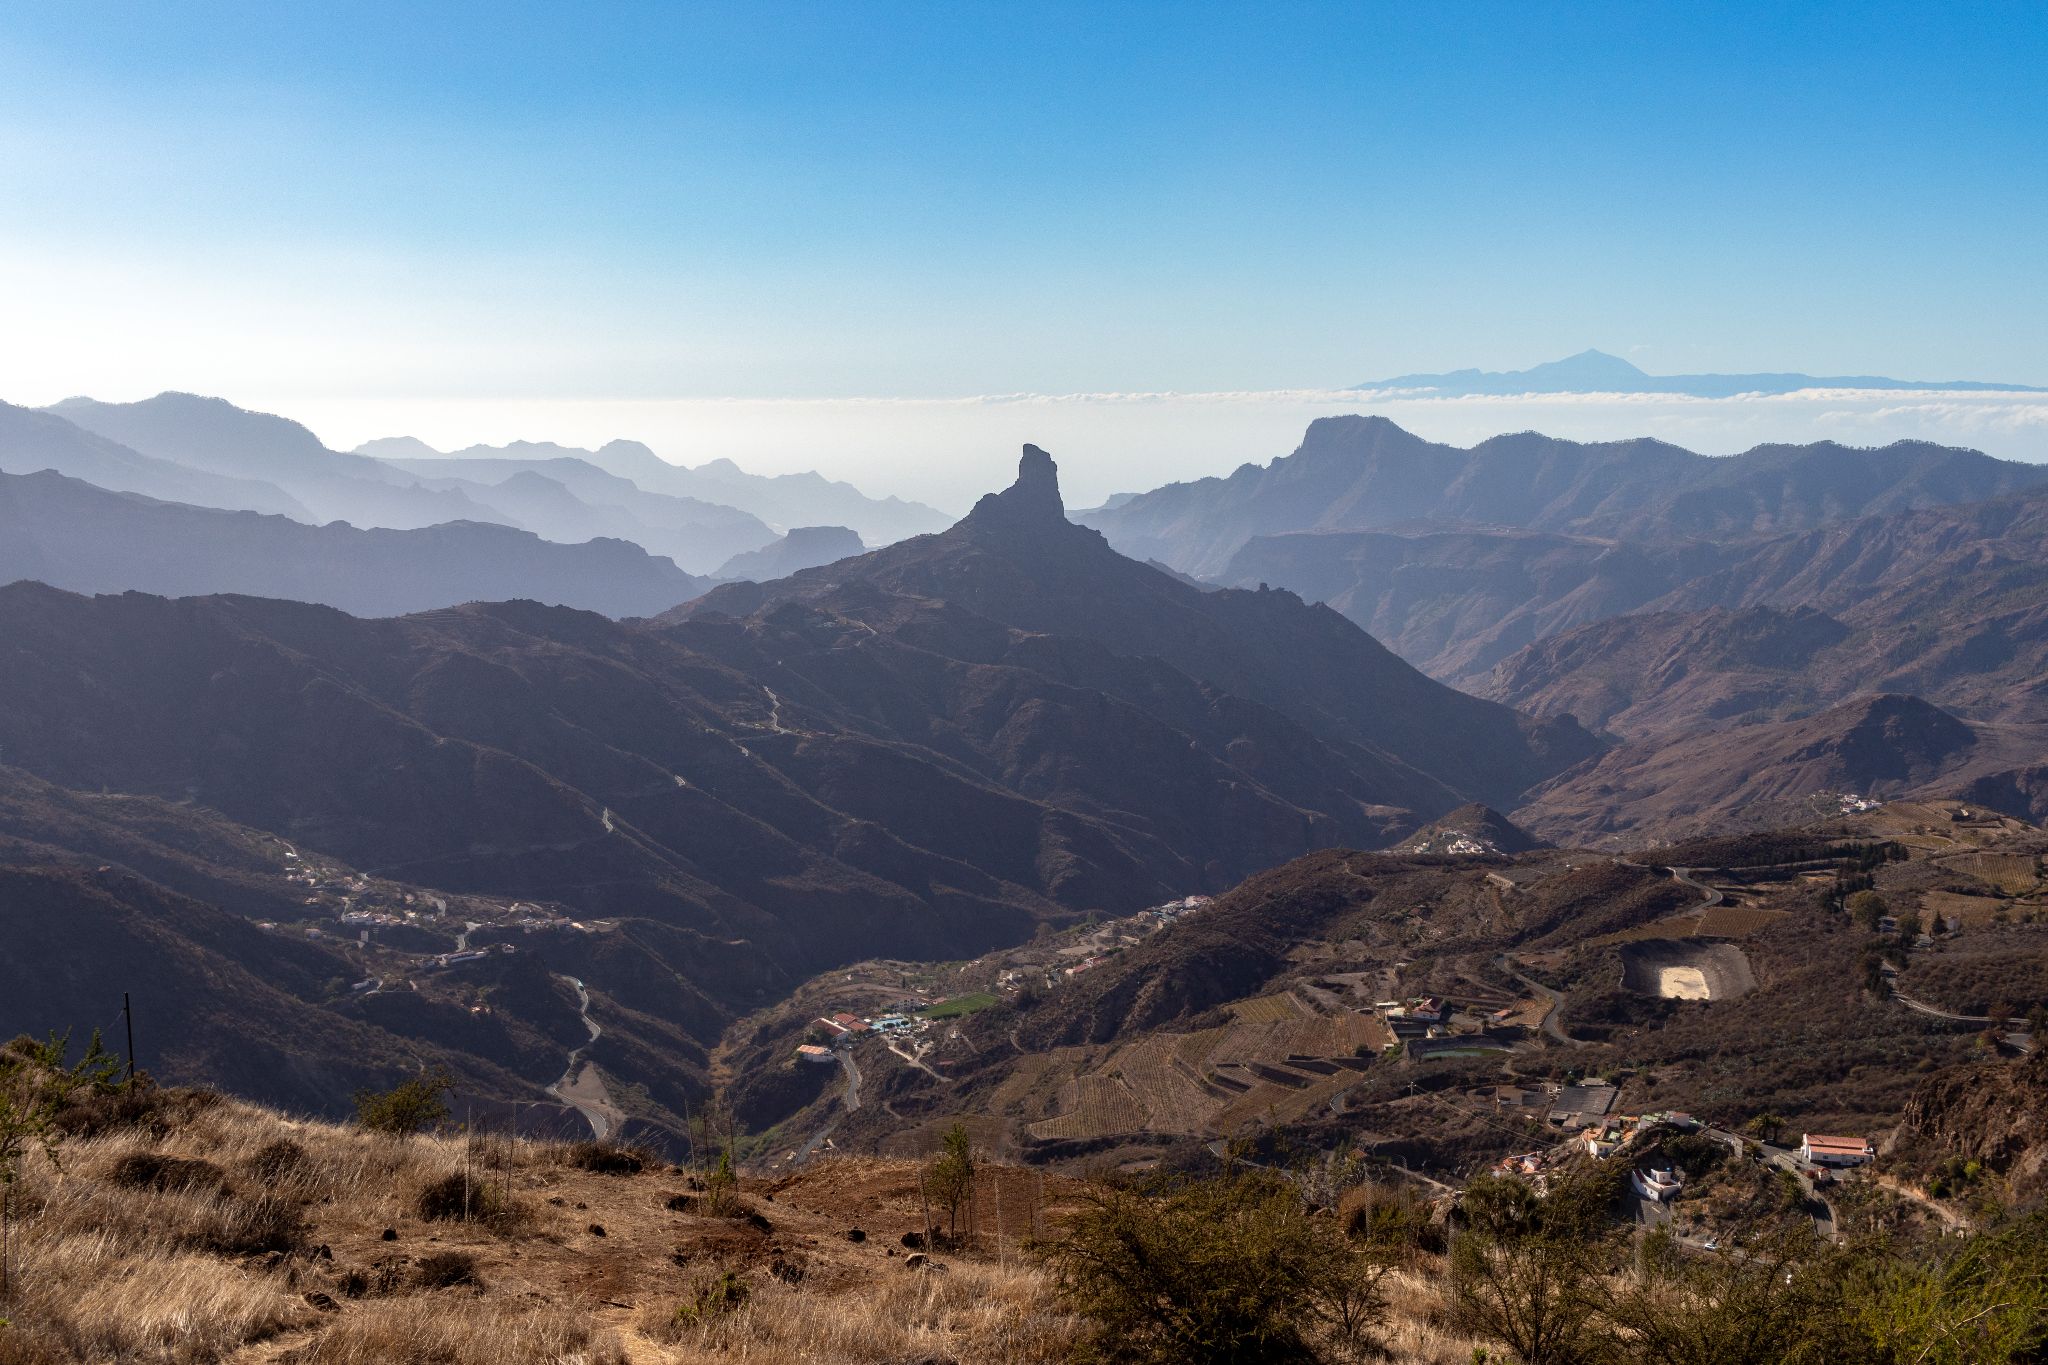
[956, 740]
[31, 441]
[1948, 603]
[214, 435]
[1598, 372]
[805, 547]
[85, 539]
[1366, 473]
[784, 500]
[567, 498]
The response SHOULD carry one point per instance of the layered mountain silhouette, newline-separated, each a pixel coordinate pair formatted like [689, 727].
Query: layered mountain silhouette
[1366, 473]
[215, 436]
[73, 535]
[924, 751]
[1597, 372]
[805, 547]
[565, 497]
[782, 500]
[32, 441]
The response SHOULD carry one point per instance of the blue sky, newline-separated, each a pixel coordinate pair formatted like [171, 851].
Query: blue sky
[477, 202]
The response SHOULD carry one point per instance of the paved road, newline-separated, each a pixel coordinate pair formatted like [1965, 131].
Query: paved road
[1555, 999]
[849, 1103]
[1923, 1007]
[580, 1088]
[1683, 876]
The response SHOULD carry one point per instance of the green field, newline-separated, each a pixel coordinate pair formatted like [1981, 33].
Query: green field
[959, 1005]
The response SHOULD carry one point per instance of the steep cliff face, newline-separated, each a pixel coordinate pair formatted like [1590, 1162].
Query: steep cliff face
[1995, 1113]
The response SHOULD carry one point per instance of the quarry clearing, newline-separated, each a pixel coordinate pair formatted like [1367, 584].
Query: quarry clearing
[1677, 969]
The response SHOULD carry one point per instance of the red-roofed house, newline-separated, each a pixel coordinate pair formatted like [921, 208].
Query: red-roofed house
[1833, 1151]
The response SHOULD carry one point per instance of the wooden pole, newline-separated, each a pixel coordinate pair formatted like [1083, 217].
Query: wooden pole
[925, 1204]
[128, 1017]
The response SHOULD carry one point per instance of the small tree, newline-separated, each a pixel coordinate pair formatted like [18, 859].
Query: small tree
[407, 1107]
[1780, 1300]
[722, 1185]
[1228, 1271]
[1868, 908]
[951, 1178]
[1527, 1271]
[35, 1088]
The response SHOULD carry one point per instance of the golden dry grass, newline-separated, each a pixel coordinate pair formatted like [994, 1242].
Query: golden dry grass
[123, 1256]
[968, 1311]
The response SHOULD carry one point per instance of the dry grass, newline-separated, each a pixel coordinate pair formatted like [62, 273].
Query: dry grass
[1417, 1332]
[447, 1331]
[968, 1311]
[301, 1243]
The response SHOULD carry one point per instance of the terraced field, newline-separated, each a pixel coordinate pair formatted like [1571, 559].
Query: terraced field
[1267, 1009]
[1174, 1101]
[1735, 921]
[1218, 1080]
[1974, 911]
[1093, 1106]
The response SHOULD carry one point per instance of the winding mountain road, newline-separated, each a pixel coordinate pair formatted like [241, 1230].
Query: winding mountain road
[1552, 1029]
[581, 1087]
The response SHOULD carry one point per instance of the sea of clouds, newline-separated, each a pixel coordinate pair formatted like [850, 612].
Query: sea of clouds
[948, 451]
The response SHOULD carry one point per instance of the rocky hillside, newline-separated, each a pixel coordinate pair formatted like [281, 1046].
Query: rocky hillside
[1017, 561]
[927, 752]
[1949, 603]
[1767, 774]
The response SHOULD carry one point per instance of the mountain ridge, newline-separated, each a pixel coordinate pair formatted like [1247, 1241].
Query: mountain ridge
[1594, 371]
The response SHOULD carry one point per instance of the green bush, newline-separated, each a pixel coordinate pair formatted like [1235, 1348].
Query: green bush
[407, 1107]
[1227, 1271]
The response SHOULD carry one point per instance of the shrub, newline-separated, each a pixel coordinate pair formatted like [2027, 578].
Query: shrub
[156, 1171]
[1233, 1269]
[607, 1158]
[713, 1297]
[459, 1198]
[446, 1269]
[278, 1160]
[240, 1226]
[407, 1107]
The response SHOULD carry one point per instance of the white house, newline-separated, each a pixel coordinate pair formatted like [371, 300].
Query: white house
[1817, 1150]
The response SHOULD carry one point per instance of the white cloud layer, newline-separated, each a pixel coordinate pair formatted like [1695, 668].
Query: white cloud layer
[947, 451]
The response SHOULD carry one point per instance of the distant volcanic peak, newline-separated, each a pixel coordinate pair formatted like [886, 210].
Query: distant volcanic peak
[1033, 500]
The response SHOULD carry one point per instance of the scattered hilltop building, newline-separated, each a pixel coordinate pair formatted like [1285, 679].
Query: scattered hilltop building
[811, 1052]
[1817, 1150]
[1603, 1140]
[1575, 1106]
[1659, 1183]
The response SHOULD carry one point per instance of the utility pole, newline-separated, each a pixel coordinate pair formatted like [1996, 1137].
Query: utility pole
[128, 1018]
[925, 1204]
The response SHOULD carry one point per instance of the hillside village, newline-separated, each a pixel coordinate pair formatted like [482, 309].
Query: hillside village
[1442, 1063]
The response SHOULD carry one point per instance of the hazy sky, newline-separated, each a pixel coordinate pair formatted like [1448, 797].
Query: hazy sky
[362, 212]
